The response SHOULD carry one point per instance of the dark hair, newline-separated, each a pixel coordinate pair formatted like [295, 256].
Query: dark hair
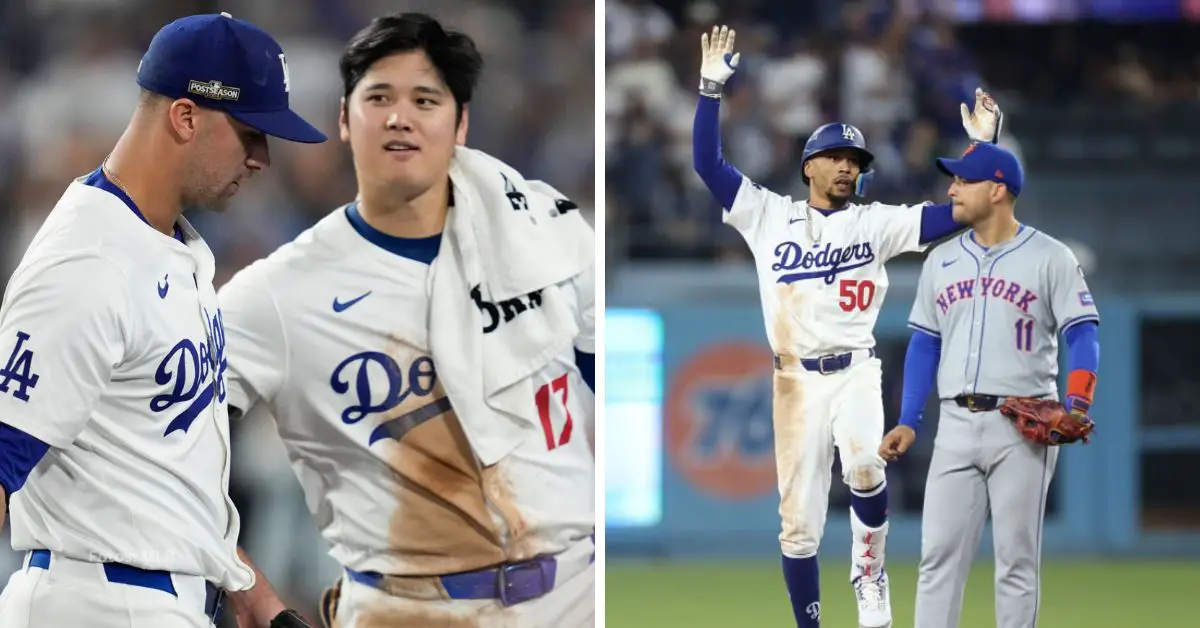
[452, 53]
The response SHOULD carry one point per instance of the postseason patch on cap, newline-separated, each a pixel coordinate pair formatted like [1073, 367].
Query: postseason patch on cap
[214, 90]
[1085, 298]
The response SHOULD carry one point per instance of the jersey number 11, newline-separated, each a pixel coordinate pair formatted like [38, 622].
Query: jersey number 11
[1025, 334]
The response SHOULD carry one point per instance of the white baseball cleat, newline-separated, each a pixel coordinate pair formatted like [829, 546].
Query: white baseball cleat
[874, 601]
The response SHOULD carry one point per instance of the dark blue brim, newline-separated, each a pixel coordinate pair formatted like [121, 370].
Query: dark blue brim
[284, 124]
[954, 168]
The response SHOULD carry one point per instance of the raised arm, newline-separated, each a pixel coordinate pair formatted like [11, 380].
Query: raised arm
[982, 124]
[717, 65]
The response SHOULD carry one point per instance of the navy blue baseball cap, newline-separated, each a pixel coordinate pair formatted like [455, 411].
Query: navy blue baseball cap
[227, 64]
[986, 162]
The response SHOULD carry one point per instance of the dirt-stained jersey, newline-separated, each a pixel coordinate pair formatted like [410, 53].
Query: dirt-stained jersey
[330, 332]
[821, 278]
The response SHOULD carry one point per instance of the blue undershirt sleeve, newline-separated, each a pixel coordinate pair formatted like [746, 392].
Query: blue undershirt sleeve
[937, 222]
[1083, 348]
[721, 178]
[19, 454]
[587, 367]
[920, 376]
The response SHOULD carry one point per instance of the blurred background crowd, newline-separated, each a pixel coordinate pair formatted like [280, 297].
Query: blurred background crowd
[67, 89]
[898, 70]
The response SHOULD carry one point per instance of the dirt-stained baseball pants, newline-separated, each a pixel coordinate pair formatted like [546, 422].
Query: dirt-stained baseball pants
[570, 603]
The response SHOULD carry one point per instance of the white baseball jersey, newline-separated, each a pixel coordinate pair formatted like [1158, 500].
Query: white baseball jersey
[330, 331]
[821, 278]
[115, 354]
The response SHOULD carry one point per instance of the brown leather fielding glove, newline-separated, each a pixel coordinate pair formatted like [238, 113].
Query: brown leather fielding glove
[1046, 421]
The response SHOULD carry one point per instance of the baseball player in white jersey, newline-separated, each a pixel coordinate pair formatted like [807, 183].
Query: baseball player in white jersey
[334, 334]
[989, 308]
[113, 418]
[822, 281]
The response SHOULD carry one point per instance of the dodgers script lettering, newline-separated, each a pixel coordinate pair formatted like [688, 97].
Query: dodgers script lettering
[185, 371]
[820, 263]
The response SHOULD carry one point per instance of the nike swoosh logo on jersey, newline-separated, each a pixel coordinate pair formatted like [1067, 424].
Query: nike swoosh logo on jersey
[792, 220]
[163, 287]
[948, 262]
[338, 306]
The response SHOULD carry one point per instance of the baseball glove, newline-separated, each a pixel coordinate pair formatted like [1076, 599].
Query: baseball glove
[1046, 421]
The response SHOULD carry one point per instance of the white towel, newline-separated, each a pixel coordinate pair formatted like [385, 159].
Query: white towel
[497, 314]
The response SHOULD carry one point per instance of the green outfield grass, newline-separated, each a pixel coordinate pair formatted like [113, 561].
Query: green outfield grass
[1092, 594]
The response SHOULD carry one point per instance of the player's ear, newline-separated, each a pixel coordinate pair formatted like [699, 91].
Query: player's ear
[182, 115]
[999, 193]
[343, 122]
[464, 121]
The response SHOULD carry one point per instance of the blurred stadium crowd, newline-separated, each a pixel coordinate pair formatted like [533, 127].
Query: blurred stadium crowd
[67, 90]
[890, 67]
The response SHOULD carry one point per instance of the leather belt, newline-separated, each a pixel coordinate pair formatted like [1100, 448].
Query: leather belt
[825, 364]
[979, 403]
[510, 583]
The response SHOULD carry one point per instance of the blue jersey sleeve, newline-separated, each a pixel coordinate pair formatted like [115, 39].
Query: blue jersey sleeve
[721, 178]
[920, 376]
[19, 454]
[937, 222]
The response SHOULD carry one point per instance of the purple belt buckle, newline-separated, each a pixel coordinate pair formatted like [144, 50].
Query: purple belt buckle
[521, 582]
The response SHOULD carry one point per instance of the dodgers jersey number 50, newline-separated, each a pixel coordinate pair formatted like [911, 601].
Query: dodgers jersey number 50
[821, 277]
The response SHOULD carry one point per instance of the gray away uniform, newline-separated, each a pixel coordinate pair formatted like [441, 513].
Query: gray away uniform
[998, 313]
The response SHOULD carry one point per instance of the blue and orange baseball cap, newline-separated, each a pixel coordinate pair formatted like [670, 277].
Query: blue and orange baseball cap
[226, 64]
[986, 162]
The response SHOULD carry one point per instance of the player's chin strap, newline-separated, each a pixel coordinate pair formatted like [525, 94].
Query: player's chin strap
[862, 181]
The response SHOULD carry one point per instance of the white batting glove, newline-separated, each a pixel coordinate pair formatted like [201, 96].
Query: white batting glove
[983, 123]
[715, 70]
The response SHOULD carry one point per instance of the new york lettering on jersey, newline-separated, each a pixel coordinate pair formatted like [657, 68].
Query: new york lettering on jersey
[1018, 295]
[994, 287]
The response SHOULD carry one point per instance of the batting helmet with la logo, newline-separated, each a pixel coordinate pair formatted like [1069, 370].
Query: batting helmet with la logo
[840, 135]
